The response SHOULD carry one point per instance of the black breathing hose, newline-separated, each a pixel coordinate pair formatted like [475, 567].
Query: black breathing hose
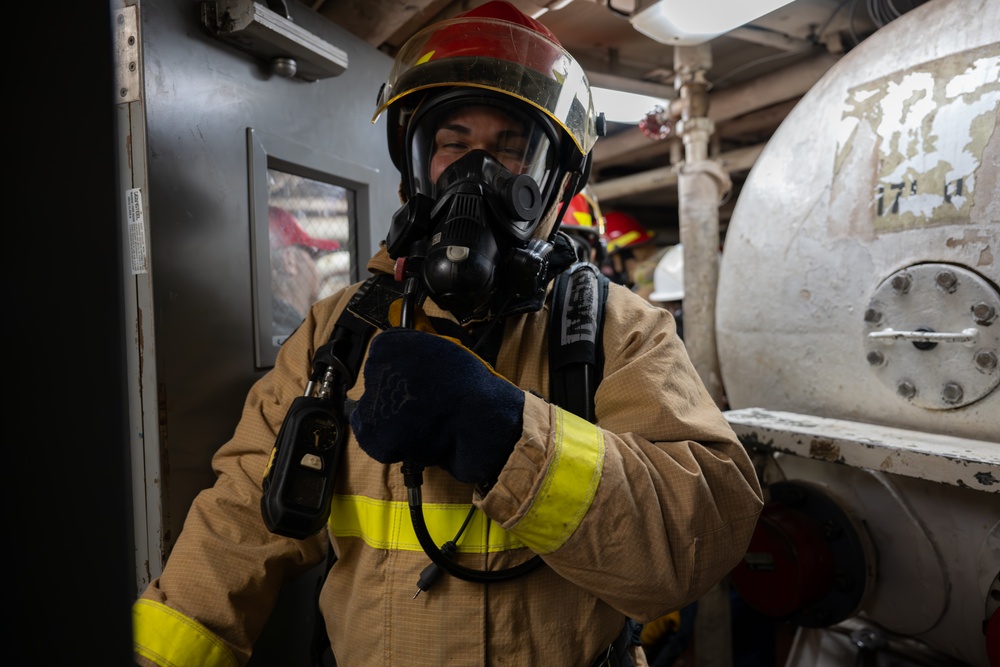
[413, 478]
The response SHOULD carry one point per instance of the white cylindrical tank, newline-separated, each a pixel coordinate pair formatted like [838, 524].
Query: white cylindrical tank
[887, 171]
[858, 331]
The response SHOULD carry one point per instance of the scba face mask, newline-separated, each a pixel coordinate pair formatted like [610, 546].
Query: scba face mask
[491, 56]
[474, 242]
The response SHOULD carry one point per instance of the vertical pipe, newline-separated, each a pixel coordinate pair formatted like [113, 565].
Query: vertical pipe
[700, 185]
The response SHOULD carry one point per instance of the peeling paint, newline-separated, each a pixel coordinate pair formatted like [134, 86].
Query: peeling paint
[753, 442]
[970, 237]
[942, 459]
[930, 127]
[826, 450]
[985, 257]
[986, 478]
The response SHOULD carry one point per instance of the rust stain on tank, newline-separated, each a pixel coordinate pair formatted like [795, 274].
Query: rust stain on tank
[985, 257]
[970, 237]
[827, 450]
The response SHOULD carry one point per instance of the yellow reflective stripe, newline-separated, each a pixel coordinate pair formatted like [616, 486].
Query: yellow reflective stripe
[569, 485]
[623, 240]
[171, 639]
[385, 524]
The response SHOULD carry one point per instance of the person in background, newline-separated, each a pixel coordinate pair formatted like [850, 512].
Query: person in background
[564, 529]
[668, 284]
[643, 271]
[295, 279]
[584, 224]
[668, 640]
[628, 244]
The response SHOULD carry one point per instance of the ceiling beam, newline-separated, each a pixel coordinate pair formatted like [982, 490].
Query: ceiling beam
[374, 21]
[629, 85]
[728, 103]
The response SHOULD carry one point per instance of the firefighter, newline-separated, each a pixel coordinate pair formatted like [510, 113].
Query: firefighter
[490, 123]
[668, 284]
[295, 277]
[584, 225]
[628, 244]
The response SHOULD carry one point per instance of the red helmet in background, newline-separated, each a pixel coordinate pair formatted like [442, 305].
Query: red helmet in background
[622, 231]
[493, 55]
[285, 230]
[583, 215]
[584, 225]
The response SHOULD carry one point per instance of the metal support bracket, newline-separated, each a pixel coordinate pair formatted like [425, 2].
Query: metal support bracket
[290, 51]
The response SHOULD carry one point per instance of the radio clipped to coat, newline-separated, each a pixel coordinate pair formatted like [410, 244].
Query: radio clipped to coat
[299, 478]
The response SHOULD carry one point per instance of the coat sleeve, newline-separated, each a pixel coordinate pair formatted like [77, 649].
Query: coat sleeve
[655, 504]
[226, 569]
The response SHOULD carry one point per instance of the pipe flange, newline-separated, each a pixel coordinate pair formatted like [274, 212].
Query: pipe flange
[696, 124]
[713, 169]
[932, 335]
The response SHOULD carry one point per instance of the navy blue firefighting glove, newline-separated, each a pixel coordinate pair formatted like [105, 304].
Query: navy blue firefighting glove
[429, 400]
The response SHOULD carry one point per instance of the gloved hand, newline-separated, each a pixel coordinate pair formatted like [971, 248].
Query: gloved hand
[431, 401]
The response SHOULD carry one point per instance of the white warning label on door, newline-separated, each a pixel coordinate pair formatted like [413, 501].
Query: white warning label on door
[136, 231]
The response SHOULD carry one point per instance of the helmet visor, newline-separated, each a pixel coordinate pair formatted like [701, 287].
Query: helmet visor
[500, 56]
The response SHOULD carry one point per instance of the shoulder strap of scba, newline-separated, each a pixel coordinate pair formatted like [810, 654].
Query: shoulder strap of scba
[576, 325]
[576, 321]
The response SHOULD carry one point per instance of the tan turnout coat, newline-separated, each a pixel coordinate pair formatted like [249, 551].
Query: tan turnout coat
[637, 516]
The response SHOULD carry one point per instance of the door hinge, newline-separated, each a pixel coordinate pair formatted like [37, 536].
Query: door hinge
[125, 32]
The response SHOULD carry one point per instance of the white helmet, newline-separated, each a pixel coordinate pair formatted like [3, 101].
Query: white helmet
[668, 277]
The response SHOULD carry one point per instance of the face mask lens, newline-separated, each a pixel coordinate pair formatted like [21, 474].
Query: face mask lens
[443, 136]
[487, 172]
[538, 160]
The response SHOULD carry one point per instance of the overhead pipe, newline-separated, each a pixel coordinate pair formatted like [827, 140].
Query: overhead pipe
[765, 37]
[726, 104]
[741, 159]
[626, 85]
